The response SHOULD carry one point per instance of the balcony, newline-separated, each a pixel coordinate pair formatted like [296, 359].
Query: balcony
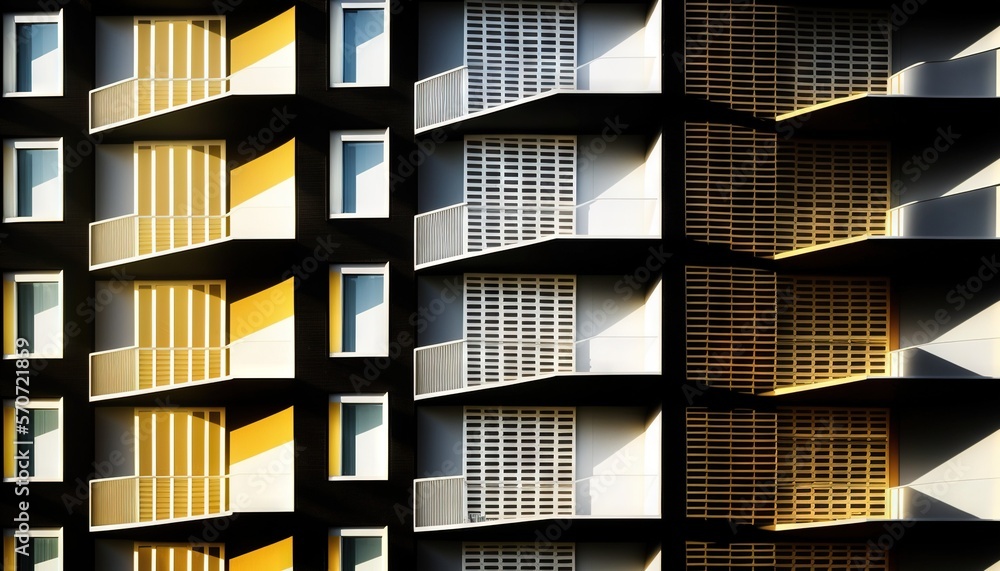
[614, 47]
[157, 80]
[133, 369]
[145, 500]
[143, 213]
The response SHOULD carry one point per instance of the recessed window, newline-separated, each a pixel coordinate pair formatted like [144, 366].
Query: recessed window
[359, 310]
[359, 174]
[358, 549]
[359, 437]
[33, 320]
[359, 53]
[36, 453]
[34, 67]
[32, 186]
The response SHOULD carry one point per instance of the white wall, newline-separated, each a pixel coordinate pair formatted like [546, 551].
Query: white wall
[442, 176]
[653, 459]
[611, 48]
[610, 462]
[115, 59]
[441, 45]
[610, 556]
[612, 192]
[113, 555]
[653, 179]
[439, 441]
[114, 182]
[114, 441]
[611, 327]
[653, 323]
[444, 318]
[115, 322]
[653, 42]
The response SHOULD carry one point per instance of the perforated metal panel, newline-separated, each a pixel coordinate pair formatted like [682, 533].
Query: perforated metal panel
[518, 326]
[519, 188]
[791, 466]
[519, 462]
[518, 557]
[516, 49]
[785, 557]
[769, 59]
[758, 193]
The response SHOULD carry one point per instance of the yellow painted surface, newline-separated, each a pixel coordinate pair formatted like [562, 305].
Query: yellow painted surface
[254, 45]
[274, 557]
[261, 310]
[334, 547]
[336, 313]
[262, 173]
[9, 555]
[261, 436]
[334, 433]
[9, 323]
[9, 470]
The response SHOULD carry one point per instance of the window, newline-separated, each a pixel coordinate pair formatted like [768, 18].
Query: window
[359, 437]
[359, 32]
[32, 186]
[359, 311]
[359, 549]
[34, 67]
[359, 174]
[32, 315]
[37, 550]
[42, 443]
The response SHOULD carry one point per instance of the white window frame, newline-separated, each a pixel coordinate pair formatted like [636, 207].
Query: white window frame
[337, 8]
[10, 52]
[366, 269]
[379, 532]
[10, 148]
[382, 399]
[38, 277]
[56, 404]
[337, 140]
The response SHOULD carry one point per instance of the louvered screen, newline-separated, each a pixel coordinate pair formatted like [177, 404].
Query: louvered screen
[832, 464]
[759, 194]
[519, 189]
[785, 557]
[518, 557]
[518, 326]
[516, 49]
[769, 59]
[750, 330]
[519, 462]
[791, 466]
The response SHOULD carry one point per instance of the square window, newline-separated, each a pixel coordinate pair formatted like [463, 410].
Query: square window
[359, 549]
[359, 437]
[359, 32]
[32, 186]
[35, 454]
[359, 311]
[359, 174]
[34, 67]
[33, 317]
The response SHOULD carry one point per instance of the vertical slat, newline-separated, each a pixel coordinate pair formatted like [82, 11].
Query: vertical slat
[439, 502]
[440, 98]
[438, 234]
[439, 368]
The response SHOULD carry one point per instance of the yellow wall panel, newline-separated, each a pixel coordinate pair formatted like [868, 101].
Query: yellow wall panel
[262, 173]
[334, 433]
[336, 313]
[9, 322]
[261, 436]
[256, 44]
[262, 310]
[274, 557]
[334, 556]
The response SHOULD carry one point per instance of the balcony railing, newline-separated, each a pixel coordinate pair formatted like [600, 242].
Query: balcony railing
[149, 499]
[446, 501]
[129, 236]
[440, 367]
[440, 234]
[130, 99]
[441, 97]
[122, 371]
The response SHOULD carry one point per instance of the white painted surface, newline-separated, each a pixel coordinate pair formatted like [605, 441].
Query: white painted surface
[268, 216]
[611, 327]
[611, 54]
[653, 328]
[115, 322]
[114, 49]
[265, 482]
[652, 460]
[654, 563]
[271, 75]
[114, 189]
[265, 354]
[611, 188]
[610, 456]
[653, 180]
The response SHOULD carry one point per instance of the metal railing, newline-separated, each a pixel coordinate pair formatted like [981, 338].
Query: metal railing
[440, 234]
[441, 97]
[148, 499]
[122, 371]
[439, 367]
[132, 98]
[129, 236]
[439, 501]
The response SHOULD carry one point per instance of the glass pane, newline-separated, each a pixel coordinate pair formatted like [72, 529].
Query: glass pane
[35, 169]
[360, 158]
[361, 553]
[357, 423]
[33, 42]
[360, 27]
[37, 312]
[44, 549]
[362, 293]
